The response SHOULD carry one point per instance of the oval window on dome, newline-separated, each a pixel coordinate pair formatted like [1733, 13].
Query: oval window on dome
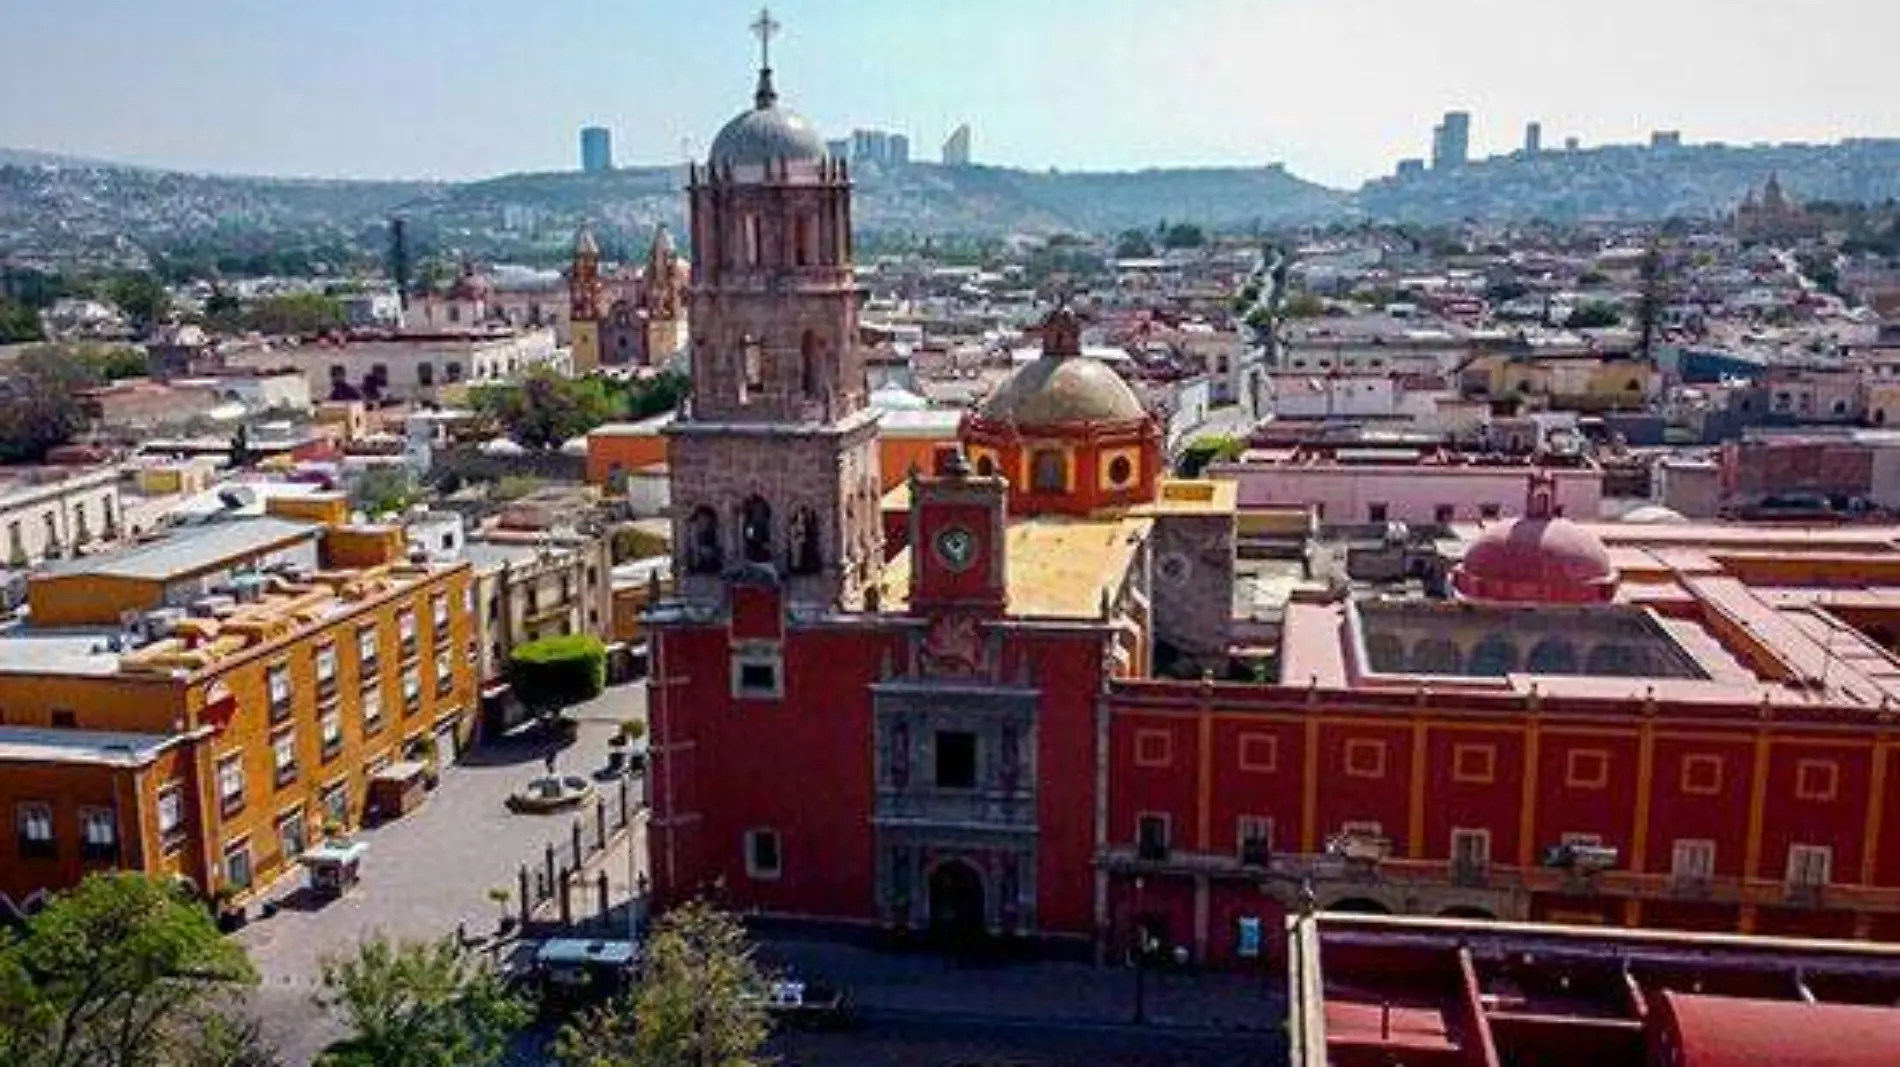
[1121, 471]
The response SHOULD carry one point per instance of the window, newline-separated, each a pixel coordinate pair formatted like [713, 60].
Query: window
[99, 834]
[755, 672]
[1259, 753]
[1474, 764]
[277, 679]
[1049, 471]
[439, 615]
[1809, 866]
[1470, 851]
[1377, 512]
[292, 835]
[231, 783]
[1151, 836]
[1489, 511]
[1578, 840]
[336, 805]
[411, 690]
[425, 374]
[65, 719]
[34, 822]
[1586, 768]
[1121, 471]
[1692, 861]
[373, 710]
[754, 368]
[763, 860]
[444, 671]
[406, 632]
[956, 759]
[171, 817]
[237, 865]
[1154, 748]
[284, 754]
[330, 729]
[1816, 779]
[1702, 775]
[454, 372]
[1255, 836]
[1365, 759]
[366, 647]
[326, 669]
[1443, 514]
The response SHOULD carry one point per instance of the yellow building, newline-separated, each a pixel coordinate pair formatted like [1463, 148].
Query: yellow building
[1569, 381]
[586, 296]
[209, 705]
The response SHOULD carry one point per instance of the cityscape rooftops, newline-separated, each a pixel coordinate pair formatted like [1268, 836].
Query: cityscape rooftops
[1059, 568]
[193, 550]
[96, 747]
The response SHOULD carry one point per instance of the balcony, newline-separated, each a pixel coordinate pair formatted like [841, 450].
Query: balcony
[973, 808]
[1471, 873]
[99, 852]
[1805, 894]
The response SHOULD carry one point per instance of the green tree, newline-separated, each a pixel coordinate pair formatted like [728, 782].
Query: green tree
[555, 673]
[383, 490]
[296, 314]
[1133, 244]
[1183, 235]
[658, 395]
[19, 322]
[418, 1004]
[1593, 316]
[1303, 306]
[110, 363]
[545, 410]
[697, 1002]
[122, 971]
[142, 297]
[1203, 451]
[43, 409]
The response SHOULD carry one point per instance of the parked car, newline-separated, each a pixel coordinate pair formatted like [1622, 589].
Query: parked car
[791, 1002]
[570, 974]
[551, 793]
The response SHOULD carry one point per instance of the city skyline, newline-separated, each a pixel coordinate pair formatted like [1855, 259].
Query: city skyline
[1338, 91]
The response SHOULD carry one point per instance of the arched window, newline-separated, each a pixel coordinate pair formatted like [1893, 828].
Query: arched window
[1494, 657]
[749, 236]
[703, 555]
[808, 376]
[1614, 660]
[755, 530]
[986, 465]
[752, 369]
[1436, 655]
[803, 556]
[1553, 655]
[1049, 471]
[1386, 653]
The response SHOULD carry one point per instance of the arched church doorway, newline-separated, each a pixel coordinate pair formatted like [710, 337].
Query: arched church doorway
[956, 903]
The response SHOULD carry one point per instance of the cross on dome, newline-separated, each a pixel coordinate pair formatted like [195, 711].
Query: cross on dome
[765, 27]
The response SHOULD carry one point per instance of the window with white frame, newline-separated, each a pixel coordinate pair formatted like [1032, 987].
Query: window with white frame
[231, 782]
[330, 730]
[406, 631]
[277, 679]
[326, 664]
[372, 710]
[366, 646]
[284, 755]
[1255, 836]
[763, 859]
[411, 688]
[1692, 860]
[1810, 866]
[35, 825]
[758, 671]
[439, 614]
[99, 833]
[1471, 849]
[336, 804]
[171, 815]
[237, 865]
[444, 670]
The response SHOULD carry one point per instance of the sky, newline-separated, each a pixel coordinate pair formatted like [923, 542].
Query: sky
[1338, 90]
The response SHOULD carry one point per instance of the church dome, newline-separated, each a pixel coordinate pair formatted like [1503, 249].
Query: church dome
[1538, 559]
[767, 133]
[1062, 386]
[1054, 390]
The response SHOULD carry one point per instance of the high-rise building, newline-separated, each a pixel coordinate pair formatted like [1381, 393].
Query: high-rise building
[899, 150]
[956, 150]
[1572, 144]
[1533, 138]
[1451, 141]
[1665, 139]
[597, 149]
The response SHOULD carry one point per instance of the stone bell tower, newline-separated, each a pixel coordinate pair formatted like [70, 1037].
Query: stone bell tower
[775, 463]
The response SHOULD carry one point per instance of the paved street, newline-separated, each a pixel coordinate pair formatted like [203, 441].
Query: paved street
[424, 873]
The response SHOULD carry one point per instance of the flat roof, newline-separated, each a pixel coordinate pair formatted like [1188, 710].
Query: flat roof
[66, 652]
[104, 748]
[192, 550]
[1058, 568]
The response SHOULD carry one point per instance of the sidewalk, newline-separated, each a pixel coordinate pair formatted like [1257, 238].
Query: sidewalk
[1030, 991]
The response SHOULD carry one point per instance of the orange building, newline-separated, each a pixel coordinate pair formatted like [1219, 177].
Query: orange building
[210, 704]
[1713, 747]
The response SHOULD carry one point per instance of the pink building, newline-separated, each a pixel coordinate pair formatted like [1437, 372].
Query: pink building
[1410, 485]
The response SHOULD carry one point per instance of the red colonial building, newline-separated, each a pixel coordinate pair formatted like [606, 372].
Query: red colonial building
[940, 709]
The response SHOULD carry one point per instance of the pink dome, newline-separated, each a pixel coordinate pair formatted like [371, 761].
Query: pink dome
[1537, 561]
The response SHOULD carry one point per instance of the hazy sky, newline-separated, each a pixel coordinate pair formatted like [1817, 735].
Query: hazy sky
[1337, 89]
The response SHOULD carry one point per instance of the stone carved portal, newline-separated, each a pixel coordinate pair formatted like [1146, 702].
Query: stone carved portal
[957, 902]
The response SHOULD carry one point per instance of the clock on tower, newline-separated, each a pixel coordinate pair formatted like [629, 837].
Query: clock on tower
[957, 539]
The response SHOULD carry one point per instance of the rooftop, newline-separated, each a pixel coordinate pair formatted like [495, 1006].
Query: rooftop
[192, 550]
[95, 747]
[1058, 568]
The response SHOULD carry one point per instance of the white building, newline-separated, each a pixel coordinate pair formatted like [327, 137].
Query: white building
[413, 366]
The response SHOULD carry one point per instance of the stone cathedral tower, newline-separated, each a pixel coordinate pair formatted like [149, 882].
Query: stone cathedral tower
[774, 465]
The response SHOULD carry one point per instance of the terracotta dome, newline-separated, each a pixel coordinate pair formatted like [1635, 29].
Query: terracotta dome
[1539, 559]
[1062, 386]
